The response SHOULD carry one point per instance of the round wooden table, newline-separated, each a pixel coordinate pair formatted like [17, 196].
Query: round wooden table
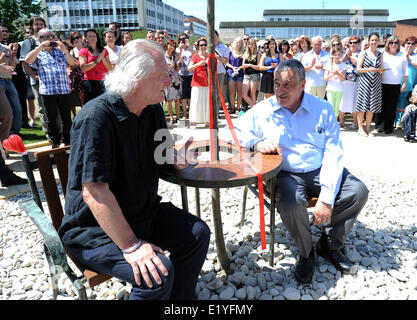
[238, 170]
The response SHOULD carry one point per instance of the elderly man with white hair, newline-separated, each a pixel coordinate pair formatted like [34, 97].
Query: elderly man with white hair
[114, 219]
[314, 62]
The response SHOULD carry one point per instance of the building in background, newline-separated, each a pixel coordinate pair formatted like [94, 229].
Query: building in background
[406, 28]
[69, 15]
[288, 24]
[194, 26]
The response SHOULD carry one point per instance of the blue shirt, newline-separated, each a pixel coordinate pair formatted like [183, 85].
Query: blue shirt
[52, 72]
[309, 138]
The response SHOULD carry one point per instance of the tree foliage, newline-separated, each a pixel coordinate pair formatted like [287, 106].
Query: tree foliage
[15, 14]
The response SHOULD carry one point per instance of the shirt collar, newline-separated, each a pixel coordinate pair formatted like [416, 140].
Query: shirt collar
[304, 103]
[118, 106]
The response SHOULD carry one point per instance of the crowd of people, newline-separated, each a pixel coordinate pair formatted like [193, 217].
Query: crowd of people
[357, 76]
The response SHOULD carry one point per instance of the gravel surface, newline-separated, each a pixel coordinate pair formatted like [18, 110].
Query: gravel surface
[382, 244]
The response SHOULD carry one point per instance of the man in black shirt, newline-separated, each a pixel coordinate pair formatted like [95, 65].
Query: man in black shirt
[114, 221]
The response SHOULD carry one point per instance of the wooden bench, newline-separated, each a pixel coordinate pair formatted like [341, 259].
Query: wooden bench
[267, 198]
[56, 255]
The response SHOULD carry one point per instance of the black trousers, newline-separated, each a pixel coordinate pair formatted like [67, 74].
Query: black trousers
[291, 193]
[184, 235]
[54, 104]
[92, 89]
[390, 95]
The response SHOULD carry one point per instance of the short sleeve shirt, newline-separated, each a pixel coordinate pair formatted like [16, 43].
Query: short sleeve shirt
[52, 72]
[111, 145]
[7, 51]
[200, 77]
[99, 71]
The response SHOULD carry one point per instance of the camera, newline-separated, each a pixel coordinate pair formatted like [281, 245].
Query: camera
[183, 40]
[53, 44]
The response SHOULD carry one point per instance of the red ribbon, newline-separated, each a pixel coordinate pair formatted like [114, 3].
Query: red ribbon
[237, 143]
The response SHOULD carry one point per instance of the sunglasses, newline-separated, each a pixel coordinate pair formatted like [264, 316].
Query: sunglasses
[5, 31]
[202, 45]
[28, 32]
[411, 43]
[46, 37]
[393, 42]
[336, 44]
[353, 42]
[76, 38]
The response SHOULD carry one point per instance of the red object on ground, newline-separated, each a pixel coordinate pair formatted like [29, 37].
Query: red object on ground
[14, 143]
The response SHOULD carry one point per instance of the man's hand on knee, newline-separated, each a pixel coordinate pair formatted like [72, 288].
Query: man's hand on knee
[143, 262]
[322, 213]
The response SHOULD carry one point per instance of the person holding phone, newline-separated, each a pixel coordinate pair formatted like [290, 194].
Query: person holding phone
[52, 58]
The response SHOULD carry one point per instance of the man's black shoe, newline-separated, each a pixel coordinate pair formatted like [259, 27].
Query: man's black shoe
[336, 257]
[12, 180]
[409, 139]
[304, 268]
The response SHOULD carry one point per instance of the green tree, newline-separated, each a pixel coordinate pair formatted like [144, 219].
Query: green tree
[15, 14]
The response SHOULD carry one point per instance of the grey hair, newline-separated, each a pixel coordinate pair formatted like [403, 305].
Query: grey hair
[316, 38]
[43, 31]
[136, 62]
[293, 65]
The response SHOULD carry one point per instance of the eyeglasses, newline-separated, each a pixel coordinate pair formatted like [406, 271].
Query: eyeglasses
[411, 43]
[202, 45]
[47, 37]
[353, 42]
[393, 42]
[5, 31]
[336, 44]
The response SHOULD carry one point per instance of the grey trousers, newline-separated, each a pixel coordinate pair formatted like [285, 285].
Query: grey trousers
[292, 190]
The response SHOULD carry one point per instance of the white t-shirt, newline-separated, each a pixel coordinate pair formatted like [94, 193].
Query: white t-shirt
[113, 56]
[334, 83]
[398, 68]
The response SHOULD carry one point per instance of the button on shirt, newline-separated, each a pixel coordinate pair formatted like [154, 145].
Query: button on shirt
[309, 138]
[52, 72]
[315, 77]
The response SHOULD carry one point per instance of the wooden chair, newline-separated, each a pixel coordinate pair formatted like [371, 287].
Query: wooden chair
[55, 252]
[267, 198]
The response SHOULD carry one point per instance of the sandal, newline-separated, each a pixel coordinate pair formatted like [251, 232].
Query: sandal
[362, 133]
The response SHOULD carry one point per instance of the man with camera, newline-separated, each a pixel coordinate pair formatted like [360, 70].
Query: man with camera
[52, 58]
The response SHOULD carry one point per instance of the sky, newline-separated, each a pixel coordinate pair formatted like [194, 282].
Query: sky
[252, 10]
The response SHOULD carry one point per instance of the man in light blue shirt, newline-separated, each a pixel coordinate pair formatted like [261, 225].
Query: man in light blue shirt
[304, 129]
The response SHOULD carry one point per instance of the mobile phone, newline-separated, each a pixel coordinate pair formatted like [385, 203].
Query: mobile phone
[53, 44]
[183, 40]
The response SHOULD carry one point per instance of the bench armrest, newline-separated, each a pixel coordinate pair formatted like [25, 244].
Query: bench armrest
[50, 235]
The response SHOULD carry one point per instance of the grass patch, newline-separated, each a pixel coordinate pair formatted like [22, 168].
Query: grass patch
[33, 135]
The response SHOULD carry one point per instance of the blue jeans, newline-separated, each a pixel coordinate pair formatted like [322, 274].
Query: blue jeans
[409, 120]
[13, 97]
[184, 235]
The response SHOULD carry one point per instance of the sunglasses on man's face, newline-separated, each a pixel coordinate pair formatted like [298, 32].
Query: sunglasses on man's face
[202, 45]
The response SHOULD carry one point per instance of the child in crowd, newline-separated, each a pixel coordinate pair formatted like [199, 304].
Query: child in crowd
[335, 74]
